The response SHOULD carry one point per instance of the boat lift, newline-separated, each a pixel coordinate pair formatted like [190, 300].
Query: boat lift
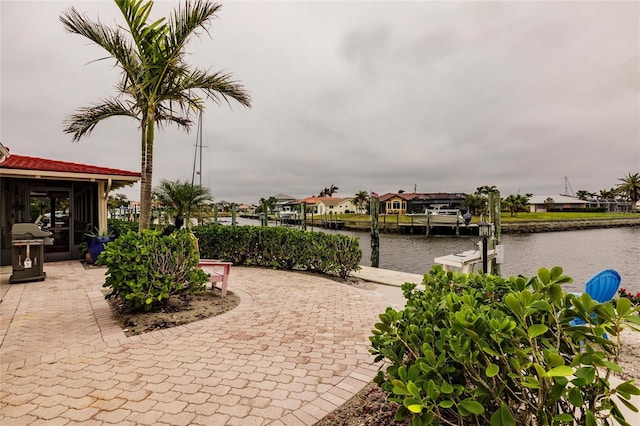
[467, 260]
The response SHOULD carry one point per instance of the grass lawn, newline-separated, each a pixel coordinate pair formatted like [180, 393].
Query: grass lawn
[505, 217]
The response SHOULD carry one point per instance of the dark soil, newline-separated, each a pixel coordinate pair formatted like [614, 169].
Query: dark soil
[178, 311]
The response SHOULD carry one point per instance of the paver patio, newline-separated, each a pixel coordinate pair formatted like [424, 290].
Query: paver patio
[293, 350]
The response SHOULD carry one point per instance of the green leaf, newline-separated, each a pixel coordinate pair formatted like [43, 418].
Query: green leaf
[536, 330]
[513, 304]
[623, 306]
[575, 397]
[565, 417]
[612, 366]
[447, 403]
[591, 419]
[471, 406]
[492, 370]
[446, 388]
[544, 275]
[588, 374]
[503, 417]
[413, 405]
[561, 371]
[414, 391]
[628, 387]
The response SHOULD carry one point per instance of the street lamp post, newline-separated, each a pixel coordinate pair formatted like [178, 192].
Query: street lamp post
[484, 230]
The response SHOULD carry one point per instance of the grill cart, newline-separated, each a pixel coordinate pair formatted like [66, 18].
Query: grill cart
[27, 252]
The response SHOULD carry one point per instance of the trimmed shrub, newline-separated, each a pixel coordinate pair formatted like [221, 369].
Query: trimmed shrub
[282, 248]
[120, 227]
[145, 269]
[481, 349]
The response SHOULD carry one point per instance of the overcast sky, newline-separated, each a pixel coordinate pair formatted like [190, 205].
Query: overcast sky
[381, 96]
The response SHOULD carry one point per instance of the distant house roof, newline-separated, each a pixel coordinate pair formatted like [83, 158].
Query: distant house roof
[408, 196]
[13, 165]
[284, 197]
[558, 199]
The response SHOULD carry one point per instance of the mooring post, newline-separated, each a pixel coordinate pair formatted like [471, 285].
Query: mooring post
[265, 214]
[303, 224]
[233, 214]
[375, 236]
[215, 213]
[494, 217]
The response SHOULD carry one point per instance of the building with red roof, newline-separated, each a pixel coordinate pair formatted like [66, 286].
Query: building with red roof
[70, 197]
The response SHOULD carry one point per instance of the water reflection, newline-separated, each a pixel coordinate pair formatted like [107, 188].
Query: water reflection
[580, 253]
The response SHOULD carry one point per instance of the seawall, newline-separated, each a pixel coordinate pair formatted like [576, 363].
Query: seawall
[527, 227]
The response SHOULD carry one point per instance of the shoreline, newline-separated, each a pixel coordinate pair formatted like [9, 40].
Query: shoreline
[518, 227]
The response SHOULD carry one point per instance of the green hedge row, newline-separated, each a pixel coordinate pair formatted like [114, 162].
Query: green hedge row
[278, 247]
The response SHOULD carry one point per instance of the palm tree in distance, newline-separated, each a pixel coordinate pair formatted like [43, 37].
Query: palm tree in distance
[180, 198]
[630, 187]
[157, 86]
[361, 200]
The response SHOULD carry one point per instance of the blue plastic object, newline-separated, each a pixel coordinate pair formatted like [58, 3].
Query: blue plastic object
[601, 287]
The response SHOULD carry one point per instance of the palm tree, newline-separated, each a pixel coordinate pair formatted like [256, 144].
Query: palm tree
[180, 198]
[361, 200]
[630, 186]
[157, 86]
[516, 203]
[582, 194]
[331, 190]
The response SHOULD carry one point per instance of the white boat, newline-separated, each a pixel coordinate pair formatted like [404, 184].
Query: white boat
[440, 216]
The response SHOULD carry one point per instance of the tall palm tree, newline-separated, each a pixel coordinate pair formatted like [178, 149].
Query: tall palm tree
[157, 86]
[630, 187]
[331, 190]
[180, 198]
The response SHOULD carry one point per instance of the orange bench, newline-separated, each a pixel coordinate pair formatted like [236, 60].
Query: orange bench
[217, 276]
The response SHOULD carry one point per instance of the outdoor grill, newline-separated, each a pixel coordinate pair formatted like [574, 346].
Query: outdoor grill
[27, 252]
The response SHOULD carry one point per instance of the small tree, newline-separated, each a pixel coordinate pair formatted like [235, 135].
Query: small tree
[180, 198]
[630, 187]
[361, 200]
[516, 203]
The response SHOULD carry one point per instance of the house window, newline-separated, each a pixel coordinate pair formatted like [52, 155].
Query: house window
[396, 205]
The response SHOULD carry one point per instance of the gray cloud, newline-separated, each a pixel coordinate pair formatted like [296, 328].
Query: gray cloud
[378, 96]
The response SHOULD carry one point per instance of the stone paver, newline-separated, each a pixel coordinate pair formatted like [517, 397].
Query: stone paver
[295, 349]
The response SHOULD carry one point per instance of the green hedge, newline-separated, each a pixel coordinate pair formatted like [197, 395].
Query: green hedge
[279, 247]
[120, 227]
[484, 350]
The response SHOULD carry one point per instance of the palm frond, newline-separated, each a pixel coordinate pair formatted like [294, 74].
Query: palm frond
[85, 120]
[217, 86]
[114, 41]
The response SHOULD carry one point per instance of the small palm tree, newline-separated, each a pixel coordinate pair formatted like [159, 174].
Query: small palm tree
[181, 198]
[361, 200]
[157, 86]
[630, 187]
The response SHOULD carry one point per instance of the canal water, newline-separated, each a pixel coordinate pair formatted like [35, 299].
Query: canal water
[581, 254]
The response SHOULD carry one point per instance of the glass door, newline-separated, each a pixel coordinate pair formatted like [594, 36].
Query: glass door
[53, 208]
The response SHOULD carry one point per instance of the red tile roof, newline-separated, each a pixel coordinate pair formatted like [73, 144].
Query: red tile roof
[23, 162]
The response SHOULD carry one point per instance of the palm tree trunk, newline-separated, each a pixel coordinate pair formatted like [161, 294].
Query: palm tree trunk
[147, 175]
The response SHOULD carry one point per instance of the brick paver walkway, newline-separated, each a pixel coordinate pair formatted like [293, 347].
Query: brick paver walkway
[295, 349]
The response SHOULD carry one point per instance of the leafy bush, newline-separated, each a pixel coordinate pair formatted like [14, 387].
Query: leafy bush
[279, 247]
[145, 269]
[480, 349]
[121, 227]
